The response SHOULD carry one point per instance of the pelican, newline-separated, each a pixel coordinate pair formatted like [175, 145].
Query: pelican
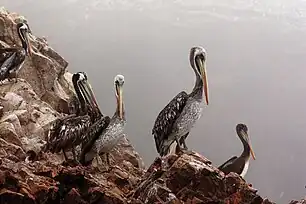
[240, 164]
[184, 110]
[105, 140]
[71, 130]
[16, 56]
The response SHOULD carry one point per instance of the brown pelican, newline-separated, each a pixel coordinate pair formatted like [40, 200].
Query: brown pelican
[105, 140]
[180, 115]
[16, 56]
[240, 164]
[71, 130]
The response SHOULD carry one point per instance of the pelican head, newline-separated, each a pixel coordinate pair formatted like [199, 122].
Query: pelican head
[23, 32]
[197, 59]
[80, 81]
[242, 132]
[119, 81]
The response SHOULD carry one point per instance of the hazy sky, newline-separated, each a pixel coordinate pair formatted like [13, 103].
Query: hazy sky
[256, 72]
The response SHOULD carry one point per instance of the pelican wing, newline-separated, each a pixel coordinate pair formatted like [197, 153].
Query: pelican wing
[93, 134]
[67, 132]
[164, 122]
[6, 53]
[228, 163]
[11, 59]
[7, 64]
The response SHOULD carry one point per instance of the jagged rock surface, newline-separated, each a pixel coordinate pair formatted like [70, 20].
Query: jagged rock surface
[303, 201]
[190, 178]
[42, 94]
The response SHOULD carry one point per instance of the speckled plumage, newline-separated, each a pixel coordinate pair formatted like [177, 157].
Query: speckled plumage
[166, 118]
[72, 130]
[108, 139]
[67, 132]
[189, 116]
[176, 120]
[93, 134]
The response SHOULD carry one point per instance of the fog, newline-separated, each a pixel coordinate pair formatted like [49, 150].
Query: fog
[256, 72]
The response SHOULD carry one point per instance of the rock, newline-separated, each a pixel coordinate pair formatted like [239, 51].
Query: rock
[13, 197]
[190, 178]
[23, 116]
[13, 119]
[10, 149]
[11, 101]
[124, 151]
[34, 144]
[33, 115]
[8, 133]
[45, 182]
[298, 202]
[187, 179]
[1, 111]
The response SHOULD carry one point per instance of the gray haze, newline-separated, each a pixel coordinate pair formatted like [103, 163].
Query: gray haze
[256, 71]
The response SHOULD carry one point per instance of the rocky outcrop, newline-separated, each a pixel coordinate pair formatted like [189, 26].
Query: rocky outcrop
[190, 178]
[303, 201]
[45, 181]
[186, 178]
[42, 94]
[27, 109]
[44, 71]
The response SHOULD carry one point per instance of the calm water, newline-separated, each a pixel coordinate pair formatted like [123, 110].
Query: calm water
[256, 71]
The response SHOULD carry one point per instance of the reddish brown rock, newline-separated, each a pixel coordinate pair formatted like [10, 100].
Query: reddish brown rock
[124, 151]
[45, 182]
[303, 201]
[8, 133]
[7, 149]
[190, 178]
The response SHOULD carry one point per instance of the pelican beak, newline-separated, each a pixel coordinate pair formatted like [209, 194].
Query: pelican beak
[202, 66]
[246, 137]
[119, 91]
[88, 94]
[28, 43]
